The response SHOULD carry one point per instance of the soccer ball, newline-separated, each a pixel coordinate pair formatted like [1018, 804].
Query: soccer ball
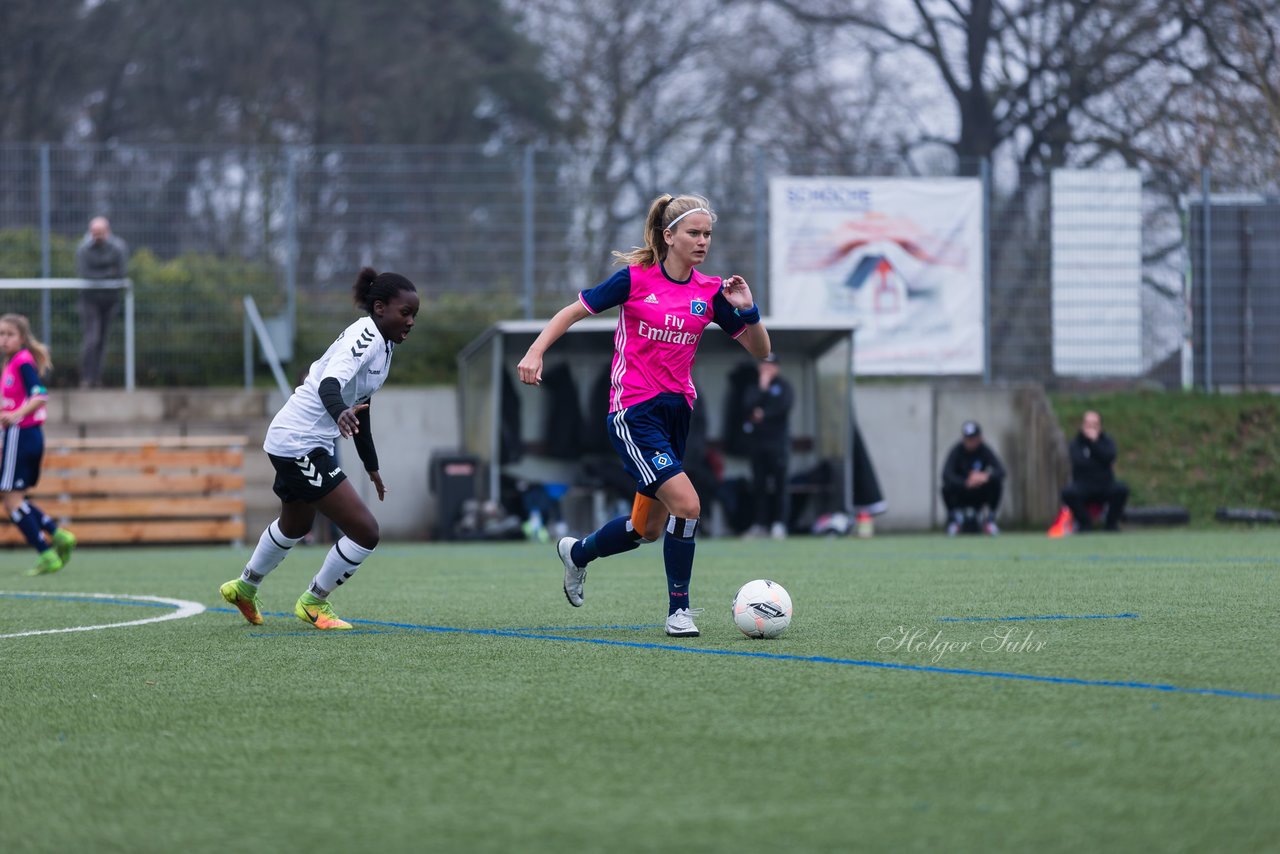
[762, 609]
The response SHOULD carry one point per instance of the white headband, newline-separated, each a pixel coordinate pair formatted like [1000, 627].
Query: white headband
[685, 214]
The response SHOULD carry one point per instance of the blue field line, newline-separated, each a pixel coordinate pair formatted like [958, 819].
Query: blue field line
[586, 628]
[1038, 617]
[93, 600]
[1065, 558]
[846, 662]
[808, 659]
[317, 634]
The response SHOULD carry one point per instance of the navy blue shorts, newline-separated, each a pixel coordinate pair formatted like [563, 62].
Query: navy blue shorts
[23, 453]
[649, 437]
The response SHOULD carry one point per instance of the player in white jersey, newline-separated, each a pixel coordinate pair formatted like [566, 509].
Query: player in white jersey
[332, 401]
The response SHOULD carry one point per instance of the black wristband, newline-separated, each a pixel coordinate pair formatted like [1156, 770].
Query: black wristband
[751, 316]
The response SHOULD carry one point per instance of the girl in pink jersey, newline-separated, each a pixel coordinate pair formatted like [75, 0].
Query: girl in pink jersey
[25, 360]
[665, 304]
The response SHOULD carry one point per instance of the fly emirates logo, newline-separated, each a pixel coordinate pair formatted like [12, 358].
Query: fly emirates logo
[672, 331]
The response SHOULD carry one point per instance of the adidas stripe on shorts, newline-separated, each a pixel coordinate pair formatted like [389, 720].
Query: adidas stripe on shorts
[649, 438]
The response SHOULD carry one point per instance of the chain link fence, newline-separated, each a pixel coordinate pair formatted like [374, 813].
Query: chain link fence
[1135, 279]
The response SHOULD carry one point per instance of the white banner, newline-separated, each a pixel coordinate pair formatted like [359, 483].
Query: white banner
[1097, 273]
[902, 256]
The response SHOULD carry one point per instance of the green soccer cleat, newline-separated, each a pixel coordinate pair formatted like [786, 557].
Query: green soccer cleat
[64, 543]
[47, 564]
[318, 613]
[244, 596]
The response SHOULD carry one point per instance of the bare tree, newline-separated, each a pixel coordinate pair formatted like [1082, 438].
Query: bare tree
[629, 99]
[1019, 75]
[651, 101]
[1229, 112]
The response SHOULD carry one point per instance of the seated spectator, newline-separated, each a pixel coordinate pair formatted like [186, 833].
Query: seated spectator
[543, 516]
[818, 495]
[972, 481]
[1093, 481]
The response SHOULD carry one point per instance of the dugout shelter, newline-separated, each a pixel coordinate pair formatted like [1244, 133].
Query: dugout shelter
[504, 423]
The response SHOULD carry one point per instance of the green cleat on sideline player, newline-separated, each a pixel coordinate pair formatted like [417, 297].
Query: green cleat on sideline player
[314, 611]
[244, 596]
[47, 564]
[64, 543]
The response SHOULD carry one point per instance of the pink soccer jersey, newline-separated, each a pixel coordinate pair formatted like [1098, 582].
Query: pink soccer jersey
[659, 326]
[15, 390]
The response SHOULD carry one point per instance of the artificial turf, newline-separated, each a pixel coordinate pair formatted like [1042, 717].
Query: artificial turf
[1107, 692]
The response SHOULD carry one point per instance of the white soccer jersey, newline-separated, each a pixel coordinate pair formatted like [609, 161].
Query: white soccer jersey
[359, 360]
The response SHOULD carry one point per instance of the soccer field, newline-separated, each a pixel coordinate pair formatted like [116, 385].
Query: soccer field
[1105, 693]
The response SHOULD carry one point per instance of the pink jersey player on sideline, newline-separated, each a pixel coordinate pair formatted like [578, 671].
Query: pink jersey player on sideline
[665, 305]
[25, 360]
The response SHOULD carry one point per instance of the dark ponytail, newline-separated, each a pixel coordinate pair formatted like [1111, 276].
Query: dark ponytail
[372, 286]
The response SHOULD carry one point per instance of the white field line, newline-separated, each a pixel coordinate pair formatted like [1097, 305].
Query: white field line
[183, 610]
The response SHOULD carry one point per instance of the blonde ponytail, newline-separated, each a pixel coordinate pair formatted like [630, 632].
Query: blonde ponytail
[663, 213]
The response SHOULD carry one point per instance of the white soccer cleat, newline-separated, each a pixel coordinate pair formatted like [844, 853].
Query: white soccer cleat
[574, 575]
[680, 624]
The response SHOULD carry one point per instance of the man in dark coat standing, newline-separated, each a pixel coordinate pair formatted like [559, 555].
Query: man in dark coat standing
[101, 255]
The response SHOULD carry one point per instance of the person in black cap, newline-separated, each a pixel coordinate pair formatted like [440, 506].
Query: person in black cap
[972, 480]
[767, 405]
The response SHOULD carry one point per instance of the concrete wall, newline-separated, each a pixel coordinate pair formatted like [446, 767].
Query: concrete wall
[909, 429]
[157, 412]
[409, 425]
[897, 426]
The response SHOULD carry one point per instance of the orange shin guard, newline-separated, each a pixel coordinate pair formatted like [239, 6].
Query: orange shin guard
[648, 514]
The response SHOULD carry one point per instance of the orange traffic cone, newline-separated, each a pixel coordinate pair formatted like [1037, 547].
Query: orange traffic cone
[1063, 525]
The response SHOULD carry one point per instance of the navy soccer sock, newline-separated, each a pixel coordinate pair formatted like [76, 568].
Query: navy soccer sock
[677, 554]
[613, 537]
[29, 524]
[46, 521]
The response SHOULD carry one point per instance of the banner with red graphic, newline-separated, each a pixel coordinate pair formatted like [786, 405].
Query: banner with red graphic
[902, 256]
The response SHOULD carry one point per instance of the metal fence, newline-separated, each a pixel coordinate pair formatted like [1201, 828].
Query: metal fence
[492, 233]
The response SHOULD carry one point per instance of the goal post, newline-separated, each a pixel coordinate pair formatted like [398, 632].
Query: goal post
[125, 285]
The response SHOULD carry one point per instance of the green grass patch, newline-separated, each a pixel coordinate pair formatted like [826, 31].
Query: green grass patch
[1200, 451]
[476, 711]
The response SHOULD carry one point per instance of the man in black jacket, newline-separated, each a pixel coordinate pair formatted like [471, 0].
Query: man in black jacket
[1093, 453]
[972, 480]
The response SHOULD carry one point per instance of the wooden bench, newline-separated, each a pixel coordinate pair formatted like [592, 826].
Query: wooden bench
[177, 489]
